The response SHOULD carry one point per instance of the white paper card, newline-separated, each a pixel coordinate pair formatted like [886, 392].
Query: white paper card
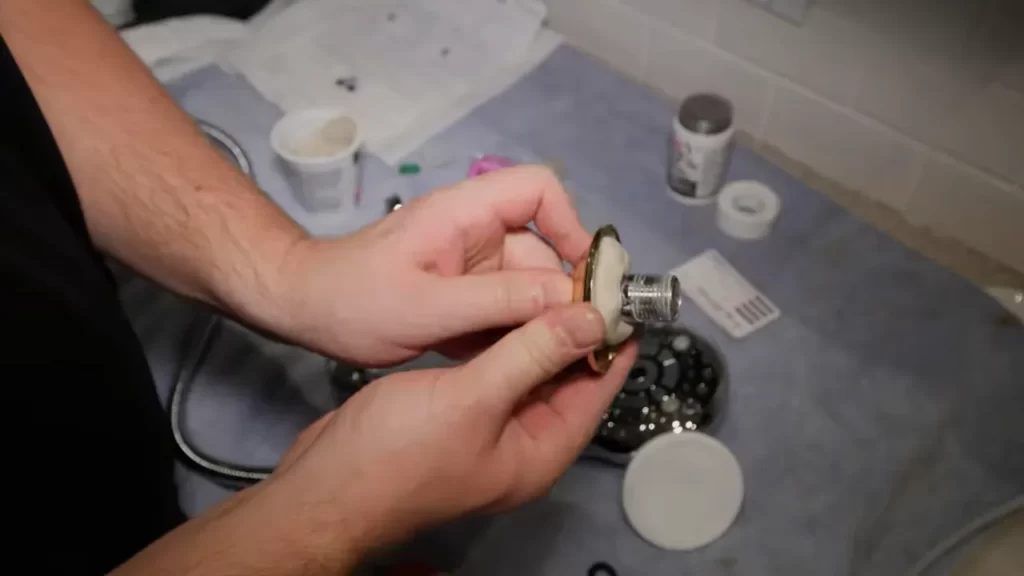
[724, 295]
[413, 60]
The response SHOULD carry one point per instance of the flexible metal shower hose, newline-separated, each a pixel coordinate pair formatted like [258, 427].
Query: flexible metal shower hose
[198, 341]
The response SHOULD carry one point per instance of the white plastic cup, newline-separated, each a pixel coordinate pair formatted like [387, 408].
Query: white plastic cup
[323, 181]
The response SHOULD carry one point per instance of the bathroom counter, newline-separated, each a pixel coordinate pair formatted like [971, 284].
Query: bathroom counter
[878, 415]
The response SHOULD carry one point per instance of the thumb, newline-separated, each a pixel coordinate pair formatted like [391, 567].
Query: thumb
[477, 302]
[532, 354]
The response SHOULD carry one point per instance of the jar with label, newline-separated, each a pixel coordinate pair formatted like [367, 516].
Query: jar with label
[702, 140]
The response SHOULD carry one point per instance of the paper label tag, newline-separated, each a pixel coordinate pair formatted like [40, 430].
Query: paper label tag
[724, 295]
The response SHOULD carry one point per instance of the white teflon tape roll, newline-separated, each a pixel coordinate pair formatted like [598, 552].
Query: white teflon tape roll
[747, 209]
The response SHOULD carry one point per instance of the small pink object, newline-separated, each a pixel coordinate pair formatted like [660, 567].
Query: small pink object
[488, 163]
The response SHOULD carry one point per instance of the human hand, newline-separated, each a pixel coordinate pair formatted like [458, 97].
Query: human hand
[416, 448]
[457, 261]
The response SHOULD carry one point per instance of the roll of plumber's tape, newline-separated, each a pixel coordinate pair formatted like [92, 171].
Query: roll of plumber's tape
[682, 490]
[747, 209]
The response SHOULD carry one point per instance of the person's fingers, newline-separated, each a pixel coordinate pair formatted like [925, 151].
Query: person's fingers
[559, 424]
[563, 419]
[477, 302]
[581, 402]
[525, 249]
[467, 346]
[517, 196]
[531, 355]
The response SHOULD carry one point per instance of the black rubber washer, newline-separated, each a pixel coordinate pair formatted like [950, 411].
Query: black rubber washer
[602, 569]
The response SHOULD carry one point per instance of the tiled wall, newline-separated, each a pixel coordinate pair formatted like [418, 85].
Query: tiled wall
[918, 104]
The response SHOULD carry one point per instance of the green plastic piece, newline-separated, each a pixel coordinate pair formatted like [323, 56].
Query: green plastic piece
[409, 168]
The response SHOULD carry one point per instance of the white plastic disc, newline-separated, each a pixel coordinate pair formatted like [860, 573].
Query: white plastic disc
[682, 491]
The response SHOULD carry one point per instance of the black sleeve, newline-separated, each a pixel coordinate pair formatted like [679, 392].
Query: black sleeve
[89, 455]
[150, 10]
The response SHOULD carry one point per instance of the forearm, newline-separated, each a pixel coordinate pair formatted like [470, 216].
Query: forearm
[155, 193]
[254, 532]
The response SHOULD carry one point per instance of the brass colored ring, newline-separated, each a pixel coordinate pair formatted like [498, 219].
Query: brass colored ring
[583, 278]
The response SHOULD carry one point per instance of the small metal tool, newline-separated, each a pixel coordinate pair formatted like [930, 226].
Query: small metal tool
[392, 203]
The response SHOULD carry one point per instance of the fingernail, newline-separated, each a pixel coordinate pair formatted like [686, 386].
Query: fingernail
[584, 326]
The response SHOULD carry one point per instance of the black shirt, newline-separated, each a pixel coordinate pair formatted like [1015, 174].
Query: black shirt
[89, 456]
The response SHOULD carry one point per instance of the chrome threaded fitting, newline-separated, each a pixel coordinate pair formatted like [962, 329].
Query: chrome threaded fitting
[650, 298]
[624, 300]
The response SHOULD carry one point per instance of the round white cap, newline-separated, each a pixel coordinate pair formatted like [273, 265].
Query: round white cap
[682, 490]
